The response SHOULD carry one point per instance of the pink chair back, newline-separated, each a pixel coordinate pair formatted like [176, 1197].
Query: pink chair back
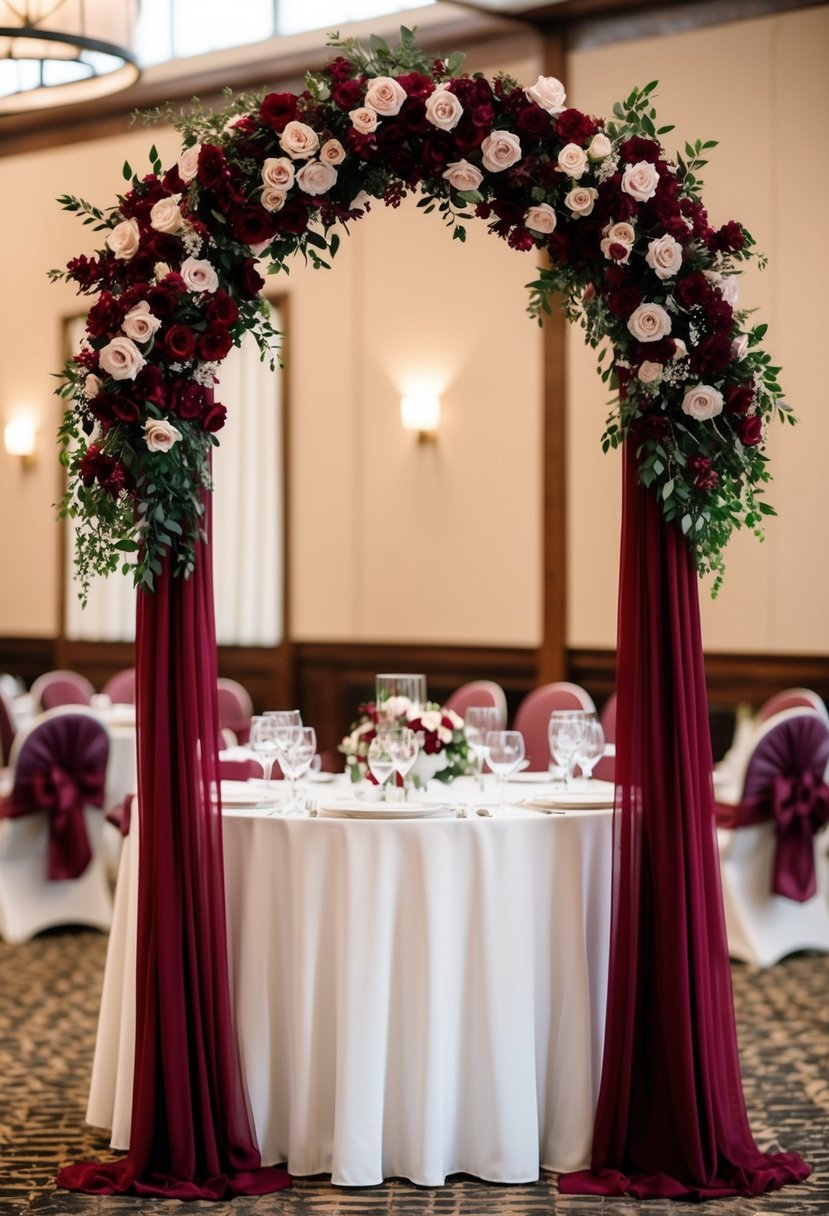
[57, 688]
[479, 692]
[534, 712]
[7, 729]
[235, 708]
[608, 718]
[792, 698]
[120, 688]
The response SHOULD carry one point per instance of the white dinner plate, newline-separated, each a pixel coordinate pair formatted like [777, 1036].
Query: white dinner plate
[349, 808]
[242, 793]
[570, 802]
[319, 778]
[531, 777]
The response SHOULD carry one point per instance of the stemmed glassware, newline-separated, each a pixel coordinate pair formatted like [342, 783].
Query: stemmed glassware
[478, 721]
[404, 747]
[591, 748]
[380, 760]
[503, 752]
[565, 732]
[389, 686]
[263, 740]
[296, 760]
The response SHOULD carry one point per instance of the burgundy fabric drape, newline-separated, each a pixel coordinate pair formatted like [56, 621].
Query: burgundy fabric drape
[671, 1119]
[191, 1135]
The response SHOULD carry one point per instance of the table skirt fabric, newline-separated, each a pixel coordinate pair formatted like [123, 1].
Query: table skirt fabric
[413, 998]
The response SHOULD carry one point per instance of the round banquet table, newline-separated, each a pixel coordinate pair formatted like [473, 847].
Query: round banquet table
[413, 998]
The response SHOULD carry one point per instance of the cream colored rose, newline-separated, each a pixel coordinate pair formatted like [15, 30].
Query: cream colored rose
[299, 140]
[121, 358]
[199, 275]
[139, 323]
[124, 239]
[572, 160]
[161, 270]
[91, 386]
[332, 152]
[640, 181]
[160, 435]
[680, 349]
[649, 323]
[363, 120]
[431, 719]
[702, 402]
[607, 244]
[649, 372]
[500, 150]
[165, 215]
[443, 110]
[461, 175]
[730, 288]
[548, 93]
[385, 96]
[582, 200]
[188, 163]
[664, 256]
[316, 178]
[739, 347]
[541, 219]
[600, 146]
[278, 171]
[623, 233]
[272, 199]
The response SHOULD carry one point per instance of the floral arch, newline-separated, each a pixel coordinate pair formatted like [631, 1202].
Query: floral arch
[634, 259]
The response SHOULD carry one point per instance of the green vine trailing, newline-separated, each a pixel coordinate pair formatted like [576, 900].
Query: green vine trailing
[630, 254]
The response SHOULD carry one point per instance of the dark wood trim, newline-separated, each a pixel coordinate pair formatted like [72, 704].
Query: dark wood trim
[27, 658]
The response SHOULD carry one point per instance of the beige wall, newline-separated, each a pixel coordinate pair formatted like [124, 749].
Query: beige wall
[761, 88]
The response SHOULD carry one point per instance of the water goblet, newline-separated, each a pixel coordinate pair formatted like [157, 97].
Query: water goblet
[404, 747]
[379, 760]
[478, 720]
[503, 751]
[297, 759]
[565, 732]
[395, 692]
[287, 725]
[264, 743]
[591, 748]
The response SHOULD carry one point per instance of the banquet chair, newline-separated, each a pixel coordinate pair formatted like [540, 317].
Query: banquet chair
[770, 843]
[533, 716]
[52, 869]
[605, 769]
[7, 730]
[791, 698]
[479, 692]
[235, 708]
[57, 688]
[120, 688]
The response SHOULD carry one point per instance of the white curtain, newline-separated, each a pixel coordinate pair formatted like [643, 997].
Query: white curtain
[248, 524]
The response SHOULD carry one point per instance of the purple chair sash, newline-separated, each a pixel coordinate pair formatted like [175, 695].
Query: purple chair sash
[61, 769]
[784, 783]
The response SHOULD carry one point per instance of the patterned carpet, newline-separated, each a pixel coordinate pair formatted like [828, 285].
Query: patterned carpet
[48, 1004]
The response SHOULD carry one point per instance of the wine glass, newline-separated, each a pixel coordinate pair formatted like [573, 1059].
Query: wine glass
[404, 747]
[389, 686]
[478, 721]
[565, 731]
[379, 759]
[297, 757]
[591, 748]
[264, 743]
[287, 725]
[503, 751]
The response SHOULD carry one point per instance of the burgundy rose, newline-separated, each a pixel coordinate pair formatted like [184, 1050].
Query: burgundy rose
[417, 85]
[88, 467]
[739, 398]
[222, 310]
[277, 110]
[253, 225]
[163, 299]
[243, 126]
[125, 407]
[573, 127]
[467, 137]
[190, 399]
[112, 475]
[650, 426]
[149, 385]
[729, 238]
[180, 342]
[292, 218]
[248, 278]
[348, 95]
[623, 300]
[339, 69]
[437, 152]
[718, 312]
[711, 355]
[521, 239]
[657, 352]
[534, 123]
[703, 475]
[750, 430]
[558, 248]
[638, 148]
[104, 316]
[412, 116]
[214, 417]
[483, 115]
[214, 345]
[693, 289]
[362, 145]
[212, 166]
[84, 271]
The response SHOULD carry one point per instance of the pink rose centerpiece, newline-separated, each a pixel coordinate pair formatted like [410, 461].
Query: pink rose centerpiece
[440, 731]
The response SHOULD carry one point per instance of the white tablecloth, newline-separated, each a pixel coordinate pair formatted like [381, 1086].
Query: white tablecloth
[413, 998]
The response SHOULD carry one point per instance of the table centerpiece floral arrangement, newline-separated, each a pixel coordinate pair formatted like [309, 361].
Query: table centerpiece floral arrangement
[439, 730]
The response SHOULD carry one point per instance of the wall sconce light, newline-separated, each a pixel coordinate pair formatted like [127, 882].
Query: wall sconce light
[421, 414]
[19, 440]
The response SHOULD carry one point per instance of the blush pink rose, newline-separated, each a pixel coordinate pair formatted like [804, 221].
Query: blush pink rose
[91, 386]
[461, 175]
[548, 93]
[165, 215]
[664, 256]
[299, 140]
[385, 96]
[443, 110]
[188, 163]
[739, 347]
[702, 402]
[316, 177]
[680, 349]
[649, 372]
[363, 120]
[501, 149]
[139, 323]
[332, 152]
[279, 172]
[199, 275]
[640, 181]
[572, 160]
[160, 435]
[600, 146]
[272, 199]
[124, 239]
[649, 323]
[582, 200]
[121, 358]
[541, 219]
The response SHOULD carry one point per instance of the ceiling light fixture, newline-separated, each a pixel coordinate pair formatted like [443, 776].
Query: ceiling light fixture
[57, 52]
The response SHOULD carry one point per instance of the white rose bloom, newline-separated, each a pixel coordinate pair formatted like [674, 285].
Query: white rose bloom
[702, 402]
[600, 146]
[396, 707]
[316, 177]
[500, 149]
[299, 140]
[572, 160]
[161, 270]
[332, 152]
[121, 358]
[462, 175]
[649, 323]
[363, 120]
[681, 350]
[664, 256]
[730, 288]
[385, 96]
[739, 347]
[160, 435]
[541, 219]
[279, 172]
[139, 323]
[431, 720]
[649, 372]
[640, 181]
[199, 275]
[188, 163]
[443, 110]
[272, 199]
[444, 734]
[582, 200]
[165, 215]
[124, 239]
[548, 93]
[91, 386]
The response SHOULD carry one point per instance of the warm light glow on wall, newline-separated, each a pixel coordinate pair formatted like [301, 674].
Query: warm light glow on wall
[19, 439]
[421, 413]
